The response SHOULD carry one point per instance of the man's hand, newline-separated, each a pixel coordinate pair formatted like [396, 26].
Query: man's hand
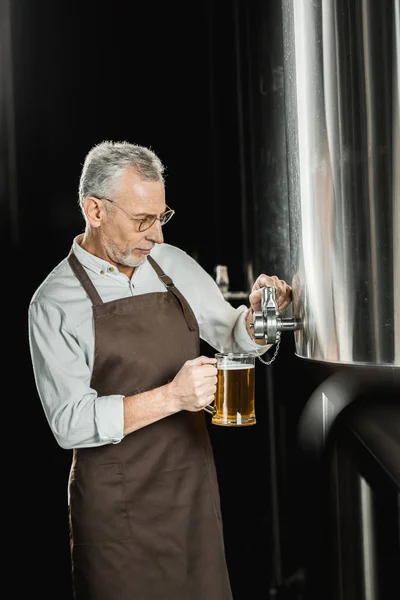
[283, 292]
[194, 386]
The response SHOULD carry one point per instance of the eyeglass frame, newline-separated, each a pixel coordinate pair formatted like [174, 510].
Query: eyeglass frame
[169, 211]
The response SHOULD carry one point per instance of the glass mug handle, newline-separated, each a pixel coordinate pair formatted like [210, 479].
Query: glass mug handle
[210, 409]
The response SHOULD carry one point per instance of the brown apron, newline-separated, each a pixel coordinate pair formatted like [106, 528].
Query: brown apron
[145, 513]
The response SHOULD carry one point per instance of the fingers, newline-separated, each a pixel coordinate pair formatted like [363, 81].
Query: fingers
[195, 384]
[206, 367]
[265, 281]
[202, 360]
[204, 381]
[268, 281]
[283, 292]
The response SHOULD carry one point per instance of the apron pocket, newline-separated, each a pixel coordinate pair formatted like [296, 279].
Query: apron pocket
[97, 504]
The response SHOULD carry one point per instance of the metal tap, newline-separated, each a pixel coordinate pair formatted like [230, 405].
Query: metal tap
[267, 323]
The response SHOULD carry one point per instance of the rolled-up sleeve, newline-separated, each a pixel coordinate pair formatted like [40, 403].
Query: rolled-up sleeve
[77, 416]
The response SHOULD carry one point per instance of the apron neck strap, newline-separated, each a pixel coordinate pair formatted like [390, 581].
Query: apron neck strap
[84, 279]
[169, 284]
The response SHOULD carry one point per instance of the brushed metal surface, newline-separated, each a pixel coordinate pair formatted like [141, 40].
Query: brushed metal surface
[342, 96]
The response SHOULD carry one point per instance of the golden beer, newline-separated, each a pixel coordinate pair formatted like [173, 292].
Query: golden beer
[234, 401]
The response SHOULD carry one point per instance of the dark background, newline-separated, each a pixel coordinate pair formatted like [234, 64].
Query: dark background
[202, 85]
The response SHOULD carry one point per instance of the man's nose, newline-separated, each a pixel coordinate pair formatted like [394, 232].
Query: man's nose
[155, 233]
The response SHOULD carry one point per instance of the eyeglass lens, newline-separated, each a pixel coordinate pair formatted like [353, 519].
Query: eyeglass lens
[149, 221]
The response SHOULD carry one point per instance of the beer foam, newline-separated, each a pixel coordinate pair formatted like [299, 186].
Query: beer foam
[235, 367]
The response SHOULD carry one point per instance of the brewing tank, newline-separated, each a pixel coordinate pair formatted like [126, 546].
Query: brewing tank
[342, 104]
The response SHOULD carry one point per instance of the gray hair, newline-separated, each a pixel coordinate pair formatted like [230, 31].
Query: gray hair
[105, 163]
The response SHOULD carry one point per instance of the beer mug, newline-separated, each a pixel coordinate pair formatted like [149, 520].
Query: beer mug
[234, 400]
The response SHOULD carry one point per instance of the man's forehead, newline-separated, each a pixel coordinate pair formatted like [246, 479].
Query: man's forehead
[151, 190]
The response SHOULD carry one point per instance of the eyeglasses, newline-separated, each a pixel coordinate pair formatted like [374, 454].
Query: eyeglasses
[145, 222]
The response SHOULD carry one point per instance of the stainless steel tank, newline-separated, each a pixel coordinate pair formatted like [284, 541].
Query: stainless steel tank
[342, 96]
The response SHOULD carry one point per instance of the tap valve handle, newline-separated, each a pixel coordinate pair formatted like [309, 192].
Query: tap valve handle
[265, 323]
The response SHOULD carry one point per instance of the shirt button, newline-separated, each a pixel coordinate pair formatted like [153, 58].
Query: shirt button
[102, 272]
[111, 269]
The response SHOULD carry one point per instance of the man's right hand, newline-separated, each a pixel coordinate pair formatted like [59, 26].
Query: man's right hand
[194, 386]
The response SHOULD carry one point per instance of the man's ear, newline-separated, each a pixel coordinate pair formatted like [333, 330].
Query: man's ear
[94, 210]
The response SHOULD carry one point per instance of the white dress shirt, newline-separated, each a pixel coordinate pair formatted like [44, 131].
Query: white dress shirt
[61, 336]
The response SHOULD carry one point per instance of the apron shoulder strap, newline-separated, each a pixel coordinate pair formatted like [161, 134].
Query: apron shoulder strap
[169, 284]
[84, 279]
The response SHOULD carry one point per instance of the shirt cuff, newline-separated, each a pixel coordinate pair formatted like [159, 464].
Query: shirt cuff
[110, 418]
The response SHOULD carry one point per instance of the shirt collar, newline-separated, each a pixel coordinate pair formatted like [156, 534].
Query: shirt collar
[88, 260]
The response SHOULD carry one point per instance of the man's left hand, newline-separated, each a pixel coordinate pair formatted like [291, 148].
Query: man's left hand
[283, 292]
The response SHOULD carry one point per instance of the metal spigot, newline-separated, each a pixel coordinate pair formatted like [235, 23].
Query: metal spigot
[267, 323]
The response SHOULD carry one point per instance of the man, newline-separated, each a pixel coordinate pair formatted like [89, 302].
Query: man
[114, 337]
